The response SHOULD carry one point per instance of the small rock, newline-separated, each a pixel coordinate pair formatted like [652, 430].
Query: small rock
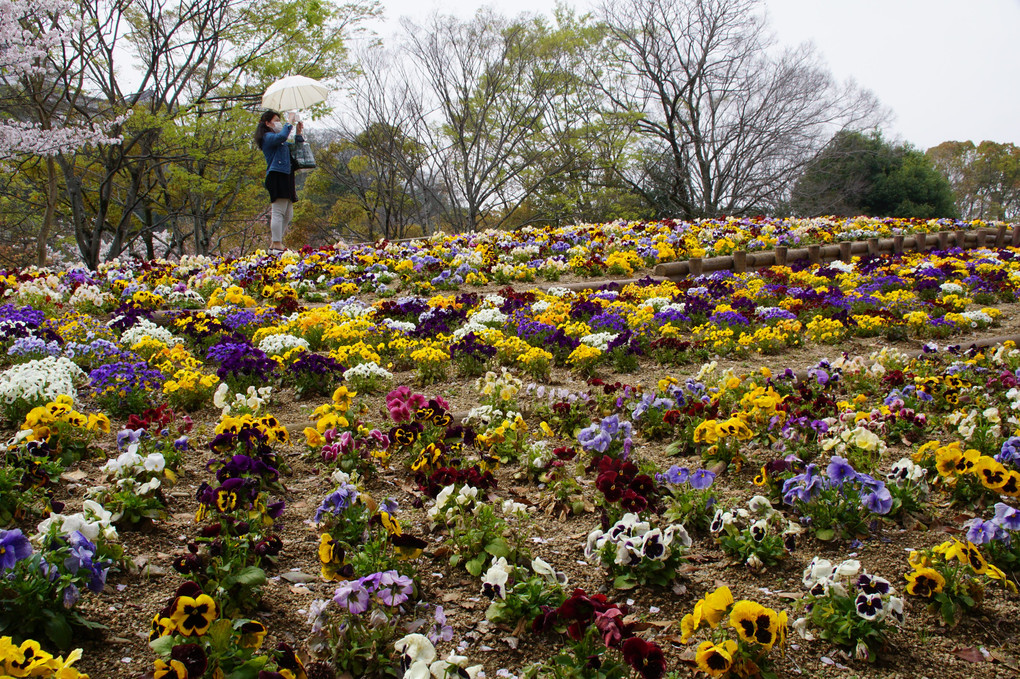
[73, 476]
[153, 571]
[298, 577]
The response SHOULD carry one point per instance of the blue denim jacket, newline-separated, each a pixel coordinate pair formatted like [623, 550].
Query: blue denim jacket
[274, 148]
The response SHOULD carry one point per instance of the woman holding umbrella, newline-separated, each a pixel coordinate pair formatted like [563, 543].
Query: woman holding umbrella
[271, 136]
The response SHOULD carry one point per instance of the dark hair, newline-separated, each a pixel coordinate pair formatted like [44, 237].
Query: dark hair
[263, 126]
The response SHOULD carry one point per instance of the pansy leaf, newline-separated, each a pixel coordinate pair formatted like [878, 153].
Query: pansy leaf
[245, 671]
[948, 612]
[475, 565]
[250, 575]
[162, 645]
[825, 534]
[58, 630]
[624, 582]
[498, 548]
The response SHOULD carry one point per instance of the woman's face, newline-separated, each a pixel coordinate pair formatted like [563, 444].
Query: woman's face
[276, 119]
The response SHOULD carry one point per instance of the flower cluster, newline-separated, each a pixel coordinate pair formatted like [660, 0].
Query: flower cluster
[839, 502]
[636, 553]
[124, 388]
[30, 660]
[849, 607]
[951, 578]
[741, 634]
[597, 631]
[757, 536]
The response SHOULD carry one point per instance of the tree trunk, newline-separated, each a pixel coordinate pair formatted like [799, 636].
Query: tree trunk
[51, 208]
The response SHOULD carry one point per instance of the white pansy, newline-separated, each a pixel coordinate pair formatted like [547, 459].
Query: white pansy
[543, 568]
[494, 580]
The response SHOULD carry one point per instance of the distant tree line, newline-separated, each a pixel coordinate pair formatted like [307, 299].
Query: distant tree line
[644, 109]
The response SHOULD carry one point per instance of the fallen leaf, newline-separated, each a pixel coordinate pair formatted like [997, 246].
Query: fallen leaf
[969, 653]
[647, 624]
[1006, 659]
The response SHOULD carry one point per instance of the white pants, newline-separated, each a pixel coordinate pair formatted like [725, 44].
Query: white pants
[279, 218]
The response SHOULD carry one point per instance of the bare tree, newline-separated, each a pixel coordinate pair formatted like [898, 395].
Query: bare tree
[728, 119]
[486, 110]
[376, 158]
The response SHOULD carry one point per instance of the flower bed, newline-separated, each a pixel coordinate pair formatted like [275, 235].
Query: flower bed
[626, 488]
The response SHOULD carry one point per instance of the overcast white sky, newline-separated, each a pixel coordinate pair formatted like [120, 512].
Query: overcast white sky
[948, 69]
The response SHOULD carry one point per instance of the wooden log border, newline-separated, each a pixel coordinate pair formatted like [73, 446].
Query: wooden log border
[844, 251]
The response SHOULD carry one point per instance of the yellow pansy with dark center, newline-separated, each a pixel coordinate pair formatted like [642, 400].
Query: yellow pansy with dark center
[1011, 486]
[715, 660]
[405, 436]
[429, 456]
[160, 627]
[992, 473]
[390, 524]
[947, 461]
[329, 550]
[407, 546]
[971, 555]
[706, 432]
[424, 413]
[175, 669]
[441, 419]
[226, 500]
[192, 616]
[967, 461]
[252, 634]
[32, 654]
[755, 623]
[925, 582]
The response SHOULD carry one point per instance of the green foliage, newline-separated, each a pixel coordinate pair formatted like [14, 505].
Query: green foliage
[985, 178]
[862, 173]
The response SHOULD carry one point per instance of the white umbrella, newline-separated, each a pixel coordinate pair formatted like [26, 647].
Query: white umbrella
[293, 93]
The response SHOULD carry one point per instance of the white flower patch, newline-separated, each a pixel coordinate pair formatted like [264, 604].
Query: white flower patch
[89, 294]
[399, 326]
[845, 267]
[951, 288]
[143, 327]
[278, 345]
[186, 297]
[540, 306]
[44, 379]
[599, 340]
[657, 303]
[488, 316]
[369, 369]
